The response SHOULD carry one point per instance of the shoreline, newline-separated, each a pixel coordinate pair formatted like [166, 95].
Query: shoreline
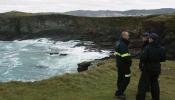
[89, 47]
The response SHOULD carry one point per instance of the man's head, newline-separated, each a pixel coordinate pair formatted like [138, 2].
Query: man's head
[125, 35]
[145, 37]
[153, 37]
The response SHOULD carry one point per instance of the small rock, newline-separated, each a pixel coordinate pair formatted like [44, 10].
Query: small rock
[54, 53]
[83, 66]
[41, 66]
[63, 54]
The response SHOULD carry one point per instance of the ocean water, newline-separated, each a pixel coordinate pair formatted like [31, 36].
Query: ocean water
[38, 59]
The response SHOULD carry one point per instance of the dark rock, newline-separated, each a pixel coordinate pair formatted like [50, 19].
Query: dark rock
[41, 66]
[54, 53]
[63, 54]
[83, 66]
[79, 44]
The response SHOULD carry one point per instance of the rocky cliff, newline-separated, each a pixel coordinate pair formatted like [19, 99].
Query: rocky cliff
[103, 31]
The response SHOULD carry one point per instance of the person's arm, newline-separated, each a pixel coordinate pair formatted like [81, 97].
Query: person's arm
[124, 54]
[162, 54]
[140, 61]
[144, 55]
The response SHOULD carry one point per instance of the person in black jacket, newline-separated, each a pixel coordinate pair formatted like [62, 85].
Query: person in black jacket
[123, 62]
[145, 39]
[151, 56]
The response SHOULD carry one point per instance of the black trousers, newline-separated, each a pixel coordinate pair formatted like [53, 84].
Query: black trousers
[148, 78]
[124, 74]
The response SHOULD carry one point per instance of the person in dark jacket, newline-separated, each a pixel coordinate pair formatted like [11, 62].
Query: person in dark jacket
[123, 62]
[151, 56]
[145, 39]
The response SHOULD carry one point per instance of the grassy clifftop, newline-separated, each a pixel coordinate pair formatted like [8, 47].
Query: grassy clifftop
[96, 84]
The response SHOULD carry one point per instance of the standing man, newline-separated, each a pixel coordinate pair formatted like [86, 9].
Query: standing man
[123, 62]
[151, 56]
[145, 39]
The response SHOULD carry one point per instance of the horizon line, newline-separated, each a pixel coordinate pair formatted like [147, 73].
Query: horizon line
[81, 10]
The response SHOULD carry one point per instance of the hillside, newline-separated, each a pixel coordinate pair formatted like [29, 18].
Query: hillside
[98, 83]
[15, 13]
[109, 13]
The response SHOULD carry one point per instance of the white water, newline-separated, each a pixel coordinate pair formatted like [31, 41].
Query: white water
[30, 60]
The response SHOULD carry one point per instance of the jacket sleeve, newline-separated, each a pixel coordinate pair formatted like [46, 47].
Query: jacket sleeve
[162, 54]
[144, 55]
[123, 53]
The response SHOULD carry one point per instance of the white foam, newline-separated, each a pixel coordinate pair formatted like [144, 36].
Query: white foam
[30, 60]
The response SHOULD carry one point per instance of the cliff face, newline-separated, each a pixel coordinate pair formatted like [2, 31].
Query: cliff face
[14, 27]
[103, 31]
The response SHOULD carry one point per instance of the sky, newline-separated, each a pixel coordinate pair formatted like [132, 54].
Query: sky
[70, 5]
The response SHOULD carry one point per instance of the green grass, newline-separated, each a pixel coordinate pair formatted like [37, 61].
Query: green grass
[96, 84]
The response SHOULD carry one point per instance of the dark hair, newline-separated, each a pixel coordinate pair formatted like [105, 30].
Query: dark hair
[146, 34]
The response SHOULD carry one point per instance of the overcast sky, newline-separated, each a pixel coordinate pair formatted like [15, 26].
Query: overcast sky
[69, 5]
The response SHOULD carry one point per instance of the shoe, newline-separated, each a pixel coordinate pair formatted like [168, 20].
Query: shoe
[120, 97]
